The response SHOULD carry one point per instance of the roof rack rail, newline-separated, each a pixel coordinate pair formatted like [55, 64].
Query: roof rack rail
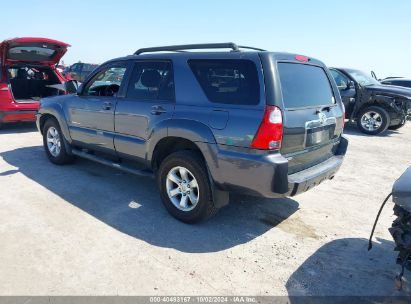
[176, 48]
[251, 48]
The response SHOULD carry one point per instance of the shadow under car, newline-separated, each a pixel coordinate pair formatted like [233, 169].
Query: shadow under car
[132, 205]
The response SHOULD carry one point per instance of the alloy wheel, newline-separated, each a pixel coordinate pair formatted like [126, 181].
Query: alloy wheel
[53, 141]
[182, 188]
[371, 121]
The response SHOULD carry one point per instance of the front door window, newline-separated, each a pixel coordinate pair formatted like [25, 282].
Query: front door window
[106, 83]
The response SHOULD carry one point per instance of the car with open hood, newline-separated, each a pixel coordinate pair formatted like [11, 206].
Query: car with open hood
[374, 106]
[28, 73]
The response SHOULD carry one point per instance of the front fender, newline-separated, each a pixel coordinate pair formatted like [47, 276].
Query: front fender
[387, 101]
[398, 104]
[54, 108]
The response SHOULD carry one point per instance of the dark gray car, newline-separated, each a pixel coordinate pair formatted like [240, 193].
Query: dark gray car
[204, 123]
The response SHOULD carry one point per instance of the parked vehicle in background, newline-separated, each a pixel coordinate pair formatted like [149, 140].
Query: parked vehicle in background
[79, 71]
[204, 123]
[28, 73]
[401, 82]
[375, 107]
[61, 68]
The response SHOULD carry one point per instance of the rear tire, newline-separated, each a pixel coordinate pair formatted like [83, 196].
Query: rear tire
[185, 187]
[373, 120]
[54, 143]
[396, 127]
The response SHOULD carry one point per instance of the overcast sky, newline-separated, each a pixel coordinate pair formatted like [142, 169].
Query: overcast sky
[368, 35]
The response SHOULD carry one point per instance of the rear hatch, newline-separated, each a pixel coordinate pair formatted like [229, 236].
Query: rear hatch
[32, 50]
[313, 117]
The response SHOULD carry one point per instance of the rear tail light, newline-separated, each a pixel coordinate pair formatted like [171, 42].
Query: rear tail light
[270, 132]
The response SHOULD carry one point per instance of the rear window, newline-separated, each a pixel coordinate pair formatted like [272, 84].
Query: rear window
[304, 85]
[228, 81]
[32, 53]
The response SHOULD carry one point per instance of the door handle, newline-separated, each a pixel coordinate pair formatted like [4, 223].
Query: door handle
[107, 105]
[157, 110]
[327, 108]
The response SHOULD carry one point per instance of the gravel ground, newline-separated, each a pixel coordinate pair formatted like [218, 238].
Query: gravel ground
[85, 229]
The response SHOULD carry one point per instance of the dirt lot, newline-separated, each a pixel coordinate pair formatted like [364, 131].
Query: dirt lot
[85, 229]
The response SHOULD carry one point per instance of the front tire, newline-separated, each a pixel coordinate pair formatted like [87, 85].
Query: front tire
[53, 142]
[373, 120]
[185, 187]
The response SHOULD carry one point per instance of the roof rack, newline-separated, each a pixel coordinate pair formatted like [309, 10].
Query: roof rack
[175, 48]
[180, 48]
[251, 48]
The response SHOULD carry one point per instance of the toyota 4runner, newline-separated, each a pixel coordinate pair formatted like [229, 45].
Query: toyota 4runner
[204, 124]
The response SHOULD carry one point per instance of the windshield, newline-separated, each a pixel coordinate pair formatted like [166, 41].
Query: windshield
[362, 78]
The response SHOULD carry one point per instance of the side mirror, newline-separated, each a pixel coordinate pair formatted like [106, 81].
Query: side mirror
[71, 86]
[350, 85]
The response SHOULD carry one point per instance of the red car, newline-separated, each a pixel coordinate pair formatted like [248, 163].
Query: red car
[27, 73]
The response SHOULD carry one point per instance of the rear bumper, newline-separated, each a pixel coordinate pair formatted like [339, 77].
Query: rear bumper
[267, 176]
[11, 111]
[19, 115]
[305, 180]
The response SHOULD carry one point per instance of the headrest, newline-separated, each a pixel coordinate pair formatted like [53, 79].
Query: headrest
[151, 78]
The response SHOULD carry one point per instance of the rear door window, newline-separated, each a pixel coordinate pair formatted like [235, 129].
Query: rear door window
[151, 80]
[228, 81]
[304, 85]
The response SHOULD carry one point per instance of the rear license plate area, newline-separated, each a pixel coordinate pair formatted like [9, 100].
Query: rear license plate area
[319, 135]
